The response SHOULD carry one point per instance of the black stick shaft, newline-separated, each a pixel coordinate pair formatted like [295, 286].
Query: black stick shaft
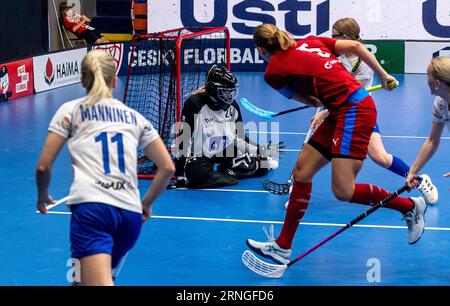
[292, 110]
[351, 223]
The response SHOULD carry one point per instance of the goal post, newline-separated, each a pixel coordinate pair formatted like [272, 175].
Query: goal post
[165, 68]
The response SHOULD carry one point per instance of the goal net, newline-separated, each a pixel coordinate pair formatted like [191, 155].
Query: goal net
[165, 68]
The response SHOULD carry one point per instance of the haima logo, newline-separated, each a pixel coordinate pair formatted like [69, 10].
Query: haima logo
[430, 19]
[442, 52]
[260, 11]
[49, 72]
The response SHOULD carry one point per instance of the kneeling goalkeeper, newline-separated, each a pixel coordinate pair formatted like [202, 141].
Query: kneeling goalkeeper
[211, 149]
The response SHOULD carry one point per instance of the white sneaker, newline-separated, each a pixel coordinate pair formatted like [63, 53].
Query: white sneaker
[415, 220]
[428, 190]
[270, 249]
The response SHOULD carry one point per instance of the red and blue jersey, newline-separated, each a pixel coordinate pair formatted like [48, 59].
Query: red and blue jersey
[311, 67]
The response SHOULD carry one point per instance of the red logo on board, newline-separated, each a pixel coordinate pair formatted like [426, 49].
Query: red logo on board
[115, 50]
[49, 72]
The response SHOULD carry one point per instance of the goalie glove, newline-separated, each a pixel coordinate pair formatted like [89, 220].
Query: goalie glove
[271, 150]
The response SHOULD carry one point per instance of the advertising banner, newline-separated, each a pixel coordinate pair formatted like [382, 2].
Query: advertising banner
[117, 53]
[244, 55]
[16, 79]
[379, 19]
[390, 54]
[419, 54]
[57, 69]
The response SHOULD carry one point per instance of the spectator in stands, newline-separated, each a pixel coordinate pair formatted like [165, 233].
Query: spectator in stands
[78, 25]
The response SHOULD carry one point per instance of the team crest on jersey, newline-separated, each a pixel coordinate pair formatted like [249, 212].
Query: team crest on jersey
[148, 128]
[65, 123]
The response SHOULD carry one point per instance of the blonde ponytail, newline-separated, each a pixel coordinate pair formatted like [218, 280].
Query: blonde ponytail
[269, 37]
[98, 73]
[284, 40]
[440, 69]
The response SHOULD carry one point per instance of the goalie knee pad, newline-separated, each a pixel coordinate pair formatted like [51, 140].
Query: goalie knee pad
[245, 166]
[200, 174]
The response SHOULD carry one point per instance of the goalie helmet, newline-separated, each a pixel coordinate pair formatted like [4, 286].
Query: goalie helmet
[221, 86]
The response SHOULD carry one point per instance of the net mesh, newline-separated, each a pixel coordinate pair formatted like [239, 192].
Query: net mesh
[159, 81]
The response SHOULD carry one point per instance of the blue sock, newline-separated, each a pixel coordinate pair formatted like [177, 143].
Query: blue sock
[399, 167]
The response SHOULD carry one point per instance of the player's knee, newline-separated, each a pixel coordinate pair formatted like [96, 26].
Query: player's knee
[342, 193]
[381, 158]
[302, 175]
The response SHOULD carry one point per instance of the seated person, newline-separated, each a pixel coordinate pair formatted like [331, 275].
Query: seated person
[78, 25]
[211, 149]
[5, 90]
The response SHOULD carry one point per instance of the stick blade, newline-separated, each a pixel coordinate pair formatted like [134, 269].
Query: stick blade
[256, 110]
[275, 188]
[261, 267]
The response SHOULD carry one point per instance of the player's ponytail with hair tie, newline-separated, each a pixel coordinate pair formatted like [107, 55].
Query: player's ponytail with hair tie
[285, 41]
[98, 73]
[269, 37]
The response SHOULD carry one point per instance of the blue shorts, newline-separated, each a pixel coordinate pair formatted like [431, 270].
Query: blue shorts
[376, 129]
[97, 228]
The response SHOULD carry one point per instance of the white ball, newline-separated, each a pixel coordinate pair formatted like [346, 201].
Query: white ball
[273, 164]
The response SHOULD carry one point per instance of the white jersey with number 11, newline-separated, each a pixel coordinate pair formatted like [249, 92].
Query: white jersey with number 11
[103, 140]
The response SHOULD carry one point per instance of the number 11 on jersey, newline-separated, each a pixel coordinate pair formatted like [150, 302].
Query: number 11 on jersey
[103, 138]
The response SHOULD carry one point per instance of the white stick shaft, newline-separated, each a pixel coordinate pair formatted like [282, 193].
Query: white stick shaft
[307, 137]
[60, 201]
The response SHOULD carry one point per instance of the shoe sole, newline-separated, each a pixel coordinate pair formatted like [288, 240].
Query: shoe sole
[423, 230]
[258, 251]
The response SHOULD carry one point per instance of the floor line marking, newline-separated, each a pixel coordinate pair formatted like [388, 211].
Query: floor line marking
[225, 190]
[275, 222]
[383, 136]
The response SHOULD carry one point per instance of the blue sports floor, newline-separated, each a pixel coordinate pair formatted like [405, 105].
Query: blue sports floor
[197, 237]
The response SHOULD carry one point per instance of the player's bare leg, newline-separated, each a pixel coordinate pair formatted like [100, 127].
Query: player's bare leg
[308, 164]
[96, 270]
